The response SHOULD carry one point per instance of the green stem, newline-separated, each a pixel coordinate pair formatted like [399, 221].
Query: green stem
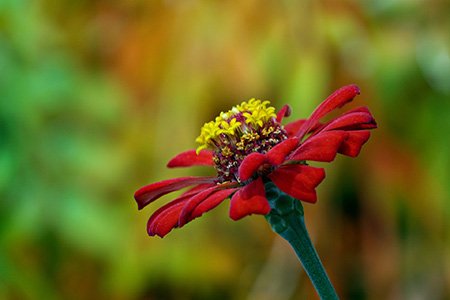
[286, 219]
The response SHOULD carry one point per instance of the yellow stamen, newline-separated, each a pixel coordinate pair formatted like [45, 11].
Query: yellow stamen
[255, 113]
[226, 151]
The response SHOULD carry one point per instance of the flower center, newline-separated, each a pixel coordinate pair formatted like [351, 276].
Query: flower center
[246, 128]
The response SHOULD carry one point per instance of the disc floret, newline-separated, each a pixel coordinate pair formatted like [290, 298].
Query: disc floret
[246, 128]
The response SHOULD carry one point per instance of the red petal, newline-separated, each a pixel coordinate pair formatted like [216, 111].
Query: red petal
[285, 111]
[293, 127]
[363, 109]
[353, 120]
[198, 188]
[165, 218]
[250, 164]
[337, 99]
[151, 192]
[251, 199]
[351, 146]
[277, 154]
[210, 202]
[320, 147]
[191, 158]
[193, 202]
[298, 181]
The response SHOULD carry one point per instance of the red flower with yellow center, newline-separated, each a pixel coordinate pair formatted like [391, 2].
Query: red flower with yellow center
[248, 146]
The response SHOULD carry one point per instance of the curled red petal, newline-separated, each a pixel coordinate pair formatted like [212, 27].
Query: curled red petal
[250, 165]
[359, 109]
[293, 127]
[331, 125]
[277, 154]
[165, 218]
[356, 119]
[198, 188]
[192, 203]
[210, 202]
[191, 158]
[321, 147]
[298, 181]
[151, 192]
[337, 99]
[353, 143]
[285, 111]
[250, 199]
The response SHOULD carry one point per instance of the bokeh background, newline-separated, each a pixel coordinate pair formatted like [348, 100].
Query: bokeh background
[96, 96]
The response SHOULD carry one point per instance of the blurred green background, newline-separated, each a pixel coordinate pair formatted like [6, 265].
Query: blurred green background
[96, 96]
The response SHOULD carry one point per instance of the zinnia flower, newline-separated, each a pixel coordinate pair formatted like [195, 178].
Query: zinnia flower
[249, 146]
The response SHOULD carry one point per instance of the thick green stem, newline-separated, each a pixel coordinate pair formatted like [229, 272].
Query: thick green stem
[286, 219]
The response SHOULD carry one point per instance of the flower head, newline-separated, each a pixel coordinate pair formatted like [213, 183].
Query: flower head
[247, 146]
[246, 128]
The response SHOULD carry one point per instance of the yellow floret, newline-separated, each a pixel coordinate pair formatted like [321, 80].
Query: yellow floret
[209, 131]
[255, 113]
[258, 113]
[229, 128]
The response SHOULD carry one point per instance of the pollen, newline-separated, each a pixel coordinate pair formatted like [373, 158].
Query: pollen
[248, 127]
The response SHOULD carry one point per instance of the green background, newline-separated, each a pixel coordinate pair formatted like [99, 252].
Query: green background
[96, 96]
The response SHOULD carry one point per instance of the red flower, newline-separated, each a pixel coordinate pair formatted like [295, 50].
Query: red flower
[248, 145]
